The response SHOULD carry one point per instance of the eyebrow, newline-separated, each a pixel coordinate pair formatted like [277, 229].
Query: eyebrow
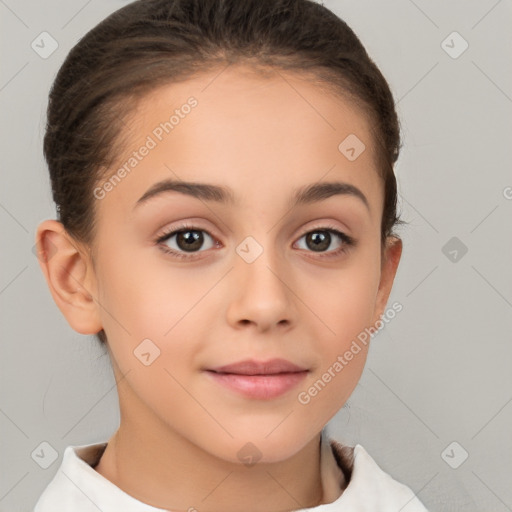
[220, 194]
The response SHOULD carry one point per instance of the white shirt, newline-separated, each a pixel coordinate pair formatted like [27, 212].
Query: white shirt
[77, 487]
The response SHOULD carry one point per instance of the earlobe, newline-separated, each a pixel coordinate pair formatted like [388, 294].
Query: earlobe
[389, 265]
[69, 276]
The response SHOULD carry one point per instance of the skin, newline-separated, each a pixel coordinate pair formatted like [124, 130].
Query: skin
[180, 433]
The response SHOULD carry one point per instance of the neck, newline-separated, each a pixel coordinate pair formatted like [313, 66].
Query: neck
[178, 475]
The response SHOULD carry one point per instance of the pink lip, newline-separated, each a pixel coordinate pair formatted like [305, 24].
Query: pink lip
[261, 380]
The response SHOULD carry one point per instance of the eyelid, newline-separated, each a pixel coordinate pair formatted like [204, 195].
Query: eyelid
[347, 241]
[181, 225]
[170, 232]
[196, 226]
[324, 225]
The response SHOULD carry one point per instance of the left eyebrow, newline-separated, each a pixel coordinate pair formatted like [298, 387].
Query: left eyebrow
[324, 190]
[220, 194]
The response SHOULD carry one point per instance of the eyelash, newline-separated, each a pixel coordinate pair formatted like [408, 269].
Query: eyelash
[348, 241]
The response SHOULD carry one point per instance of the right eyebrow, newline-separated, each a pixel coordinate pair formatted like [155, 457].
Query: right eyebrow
[205, 191]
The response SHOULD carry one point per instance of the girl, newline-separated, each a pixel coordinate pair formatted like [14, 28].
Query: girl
[223, 175]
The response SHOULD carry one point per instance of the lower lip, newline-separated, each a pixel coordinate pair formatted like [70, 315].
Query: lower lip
[262, 387]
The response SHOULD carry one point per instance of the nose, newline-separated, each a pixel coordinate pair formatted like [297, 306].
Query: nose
[262, 294]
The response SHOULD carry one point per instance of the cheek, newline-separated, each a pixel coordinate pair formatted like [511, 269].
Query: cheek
[345, 306]
[159, 315]
[150, 298]
[152, 315]
[345, 301]
[341, 357]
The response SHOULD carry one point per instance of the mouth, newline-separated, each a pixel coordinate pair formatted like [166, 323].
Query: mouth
[263, 380]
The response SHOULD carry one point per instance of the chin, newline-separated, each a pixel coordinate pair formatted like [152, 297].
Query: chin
[254, 446]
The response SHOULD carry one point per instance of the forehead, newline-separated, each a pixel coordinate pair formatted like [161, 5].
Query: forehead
[259, 135]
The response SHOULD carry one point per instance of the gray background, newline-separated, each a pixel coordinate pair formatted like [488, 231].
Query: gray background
[439, 372]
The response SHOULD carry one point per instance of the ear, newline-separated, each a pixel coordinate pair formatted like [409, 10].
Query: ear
[389, 265]
[69, 275]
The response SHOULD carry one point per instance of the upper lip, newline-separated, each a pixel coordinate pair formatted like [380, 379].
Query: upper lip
[252, 367]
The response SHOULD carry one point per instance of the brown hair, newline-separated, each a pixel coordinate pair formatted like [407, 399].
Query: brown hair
[149, 43]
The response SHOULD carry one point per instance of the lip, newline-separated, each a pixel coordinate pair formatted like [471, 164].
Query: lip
[263, 380]
[252, 367]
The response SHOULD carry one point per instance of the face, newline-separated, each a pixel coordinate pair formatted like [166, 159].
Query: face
[189, 280]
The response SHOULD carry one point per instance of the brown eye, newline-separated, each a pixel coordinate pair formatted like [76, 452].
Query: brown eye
[189, 240]
[320, 240]
[186, 240]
